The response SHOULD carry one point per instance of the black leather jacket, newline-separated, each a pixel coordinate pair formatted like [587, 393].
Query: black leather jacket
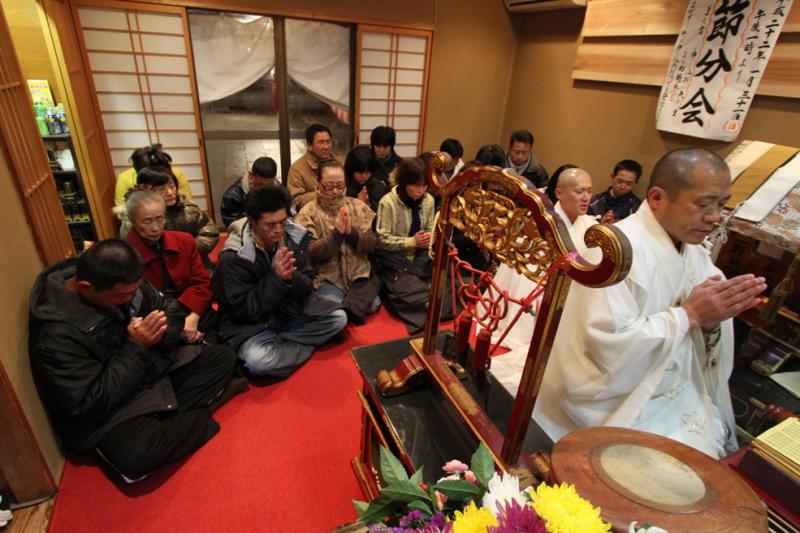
[89, 374]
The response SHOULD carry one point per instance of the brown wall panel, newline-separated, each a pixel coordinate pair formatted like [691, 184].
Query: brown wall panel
[471, 69]
[595, 124]
[606, 18]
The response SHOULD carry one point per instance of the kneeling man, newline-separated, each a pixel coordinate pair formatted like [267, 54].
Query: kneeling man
[268, 309]
[111, 370]
[654, 352]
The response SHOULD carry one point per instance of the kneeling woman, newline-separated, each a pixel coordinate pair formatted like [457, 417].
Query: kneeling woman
[171, 261]
[341, 228]
[405, 222]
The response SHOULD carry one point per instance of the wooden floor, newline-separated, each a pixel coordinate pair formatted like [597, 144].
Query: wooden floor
[31, 519]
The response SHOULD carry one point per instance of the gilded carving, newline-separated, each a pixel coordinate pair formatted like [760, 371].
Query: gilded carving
[502, 227]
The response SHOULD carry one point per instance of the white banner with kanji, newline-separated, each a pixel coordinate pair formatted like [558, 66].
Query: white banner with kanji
[717, 63]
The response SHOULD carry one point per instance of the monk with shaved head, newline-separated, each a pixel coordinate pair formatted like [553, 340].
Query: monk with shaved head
[574, 191]
[655, 351]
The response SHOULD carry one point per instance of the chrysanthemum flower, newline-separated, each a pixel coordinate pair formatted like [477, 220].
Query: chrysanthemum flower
[517, 518]
[503, 488]
[473, 520]
[565, 511]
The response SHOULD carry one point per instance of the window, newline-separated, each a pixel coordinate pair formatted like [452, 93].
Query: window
[247, 62]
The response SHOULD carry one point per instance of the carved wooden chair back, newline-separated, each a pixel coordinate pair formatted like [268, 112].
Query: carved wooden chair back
[517, 227]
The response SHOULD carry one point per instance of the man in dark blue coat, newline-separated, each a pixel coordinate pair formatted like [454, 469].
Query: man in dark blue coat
[268, 308]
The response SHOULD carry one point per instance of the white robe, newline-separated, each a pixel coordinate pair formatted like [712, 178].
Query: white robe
[624, 355]
[519, 286]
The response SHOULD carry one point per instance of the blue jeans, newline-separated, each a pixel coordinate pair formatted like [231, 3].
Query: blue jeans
[279, 353]
[329, 291]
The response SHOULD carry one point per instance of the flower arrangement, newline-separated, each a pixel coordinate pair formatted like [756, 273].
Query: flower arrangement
[474, 499]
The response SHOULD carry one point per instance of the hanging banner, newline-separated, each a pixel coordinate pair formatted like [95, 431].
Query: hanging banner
[717, 63]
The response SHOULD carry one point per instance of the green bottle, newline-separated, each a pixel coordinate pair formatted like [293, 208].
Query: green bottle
[41, 118]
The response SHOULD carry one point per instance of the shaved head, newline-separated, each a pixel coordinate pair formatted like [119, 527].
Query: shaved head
[679, 170]
[570, 177]
[688, 190]
[574, 191]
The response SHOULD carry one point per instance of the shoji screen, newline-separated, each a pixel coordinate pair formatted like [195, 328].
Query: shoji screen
[141, 67]
[391, 81]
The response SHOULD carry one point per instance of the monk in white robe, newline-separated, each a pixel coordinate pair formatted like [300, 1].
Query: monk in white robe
[655, 351]
[574, 192]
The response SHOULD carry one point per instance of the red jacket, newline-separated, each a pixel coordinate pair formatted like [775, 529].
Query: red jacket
[184, 266]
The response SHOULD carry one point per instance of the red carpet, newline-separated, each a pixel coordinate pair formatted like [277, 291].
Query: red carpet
[281, 462]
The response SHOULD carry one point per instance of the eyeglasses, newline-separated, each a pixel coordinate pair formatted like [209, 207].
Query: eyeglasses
[333, 186]
[326, 142]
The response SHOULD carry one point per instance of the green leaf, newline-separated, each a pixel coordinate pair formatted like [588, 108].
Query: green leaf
[482, 465]
[405, 491]
[425, 508]
[378, 509]
[360, 506]
[392, 469]
[416, 478]
[457, 489]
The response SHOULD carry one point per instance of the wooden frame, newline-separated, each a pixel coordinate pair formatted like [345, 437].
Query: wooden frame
[631, 41]
[27, 160]
[324, 16]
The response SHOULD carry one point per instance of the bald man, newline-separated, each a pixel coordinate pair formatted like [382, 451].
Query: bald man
[574, 192]
[655, 351]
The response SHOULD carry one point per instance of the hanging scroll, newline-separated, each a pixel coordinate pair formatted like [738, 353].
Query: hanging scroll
[717, 62]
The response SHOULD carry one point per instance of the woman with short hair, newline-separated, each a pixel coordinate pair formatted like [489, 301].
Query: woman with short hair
[172, 263]
[404, 226]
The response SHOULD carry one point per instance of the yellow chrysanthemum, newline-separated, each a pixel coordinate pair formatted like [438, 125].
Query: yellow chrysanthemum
[473, 520]
[565, 511]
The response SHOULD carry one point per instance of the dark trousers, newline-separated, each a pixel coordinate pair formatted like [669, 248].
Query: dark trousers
[143, 444]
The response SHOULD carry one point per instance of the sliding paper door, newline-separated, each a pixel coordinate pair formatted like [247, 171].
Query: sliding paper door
[392, 78]
[141, 66]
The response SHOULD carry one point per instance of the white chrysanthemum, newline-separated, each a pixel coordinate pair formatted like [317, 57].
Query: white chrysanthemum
[503, 488]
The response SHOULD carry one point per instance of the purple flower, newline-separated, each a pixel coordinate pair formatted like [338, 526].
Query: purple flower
[445, 528]
[516, 518]
[437, 520]
[414, 518]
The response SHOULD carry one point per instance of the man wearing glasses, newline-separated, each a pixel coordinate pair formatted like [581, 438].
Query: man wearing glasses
[268, 308]
[618, 201]
[302, 178]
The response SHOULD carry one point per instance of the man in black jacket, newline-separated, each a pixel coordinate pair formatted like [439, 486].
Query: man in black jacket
[522, 161]
[268, 309]
[110, 367]
[262, 173]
